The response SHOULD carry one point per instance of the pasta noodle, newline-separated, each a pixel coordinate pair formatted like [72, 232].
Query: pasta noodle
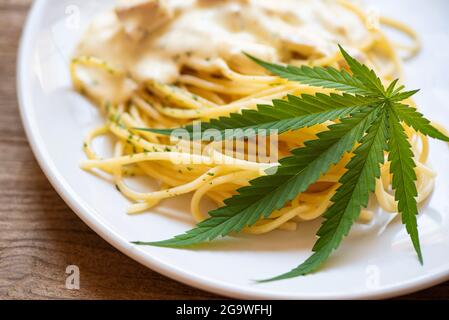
[207, 87]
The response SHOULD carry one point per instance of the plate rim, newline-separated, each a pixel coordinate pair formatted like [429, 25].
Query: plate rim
[84, 211]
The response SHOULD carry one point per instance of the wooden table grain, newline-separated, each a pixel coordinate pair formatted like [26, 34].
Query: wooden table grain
[40, 236]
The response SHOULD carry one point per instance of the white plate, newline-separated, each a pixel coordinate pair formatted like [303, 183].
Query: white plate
[367, 265]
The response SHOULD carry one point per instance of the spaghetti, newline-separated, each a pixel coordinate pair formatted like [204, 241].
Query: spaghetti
[165, 64]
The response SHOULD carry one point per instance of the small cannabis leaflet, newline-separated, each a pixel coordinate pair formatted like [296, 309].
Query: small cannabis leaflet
[370, 118]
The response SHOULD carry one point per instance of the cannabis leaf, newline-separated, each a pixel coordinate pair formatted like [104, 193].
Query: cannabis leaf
[356, 185]
[285, 115]
[365, 75]
[294, 175]
[402, 166]
[325, 77]
[417, 121]
[370, 120]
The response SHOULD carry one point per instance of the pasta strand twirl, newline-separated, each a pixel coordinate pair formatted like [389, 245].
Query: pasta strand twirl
[138, 82]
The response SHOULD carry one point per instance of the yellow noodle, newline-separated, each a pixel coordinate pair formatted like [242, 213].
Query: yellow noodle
[212, 88]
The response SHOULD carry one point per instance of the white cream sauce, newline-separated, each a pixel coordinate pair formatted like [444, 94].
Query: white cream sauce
[151, 40]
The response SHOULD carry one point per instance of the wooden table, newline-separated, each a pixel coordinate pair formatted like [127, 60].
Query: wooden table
[40, 236]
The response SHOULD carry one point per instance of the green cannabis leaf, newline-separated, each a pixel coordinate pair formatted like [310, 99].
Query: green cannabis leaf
[370, 120]
[402, 166]
[365, 75]
[327, 77]
[417, 121]
[285, 115]
[356, 185]
[294, 175]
